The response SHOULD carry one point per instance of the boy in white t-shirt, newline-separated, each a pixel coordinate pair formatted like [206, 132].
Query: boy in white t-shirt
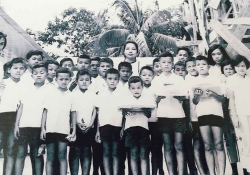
[52, 66]
[8, 107]
[94, 66]
[157, 67]
[56, 122]
[125, 70]
[180, 69]
[28, 122]
[83, 109]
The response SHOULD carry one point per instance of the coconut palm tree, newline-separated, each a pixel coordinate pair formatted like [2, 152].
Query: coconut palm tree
[154, 31]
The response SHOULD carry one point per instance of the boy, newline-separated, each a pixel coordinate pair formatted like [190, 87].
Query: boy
[125, 70]
[94, 66]
[170, 114]
[56, 122]
[67, 63]
[28, 122]
[135, 125]
[183, 53]
[179, 69]
[83, 109]
[83, 62]
[110, 122]
[157, 67]
[52, 66]
[147, 75]
[9, 102]
[191, 68]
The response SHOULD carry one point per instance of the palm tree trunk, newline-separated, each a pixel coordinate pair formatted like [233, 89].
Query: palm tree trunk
[137, 12]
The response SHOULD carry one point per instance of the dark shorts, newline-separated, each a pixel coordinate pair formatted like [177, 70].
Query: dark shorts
[172, 125]
[156, 136]
[196, 130]
[84, 139]
[137, 137]
[56, 137]
[7, 121]
[110, 133]
[211, 120]
[30, 136]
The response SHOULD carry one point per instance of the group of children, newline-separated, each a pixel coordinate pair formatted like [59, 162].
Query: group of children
[186, 107]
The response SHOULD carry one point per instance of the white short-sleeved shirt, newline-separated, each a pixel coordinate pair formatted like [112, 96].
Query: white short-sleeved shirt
[209, 106]
[26, 78]
[241, 88]
[98, 84]
[215, 71]
[138, 118]
[168, 107]
[123, 88]
[32, 99]
[135, 68]
[108, 103]
[58, 105]
[83, 104]
[10, 96]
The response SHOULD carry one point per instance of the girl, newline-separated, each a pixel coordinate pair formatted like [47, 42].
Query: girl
[131, 51]
[216, 55]
[239, 105]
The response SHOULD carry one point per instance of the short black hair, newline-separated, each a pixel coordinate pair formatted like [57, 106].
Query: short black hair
[84, 57]
[156, 60]
[147, 68]
[166, 54]
[2, 35]
[210, 51]
[15, 61]
[48, 62]
[225, 63]
[33, 52]
[200, 57]
[95, 59]
[112, 71]
[63, 70]
[132, 42]
[66, 59]
[184, 48]
[107, 60]
[135, 79]
[82, 72]
[190, 59]
[124, 64]
[237, 59]
[39, 66]
[180, 63]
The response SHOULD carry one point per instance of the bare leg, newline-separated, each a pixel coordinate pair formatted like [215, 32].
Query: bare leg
[144, 158]
[179, 152]
[168, 152]
[134, 157]
[74, 157]
[116, 155]
[62, 156]
[86, 160]
[197, 151]
[10, 154]
[51, 153]
[107, 158]
[21, 155]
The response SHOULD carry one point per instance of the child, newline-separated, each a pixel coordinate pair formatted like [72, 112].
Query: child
[9, 102]
[67, 63]
[56, 122]
[216, 55]
[110, 122]
[3, 43]
[125, 70]
[157, 67]
[84, 111]
[191, 68]
[131, 51]
[52, 66]
[94, 66]
[147, 75]
[83, 62]
[210, 116]
[239, 105]
[135, 125]
[28, 122]
[170, 114]
[183, 53]
[179, 69]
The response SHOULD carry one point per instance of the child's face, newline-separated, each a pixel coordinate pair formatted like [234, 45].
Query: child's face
[84, 82]
[2, 41]
[63, 80]
[83, 63]
[125, 73]
[182, 55]
[217, 56]
[112, 80]
[136, 89]
[157, 68]
[202, 67]
[241, 68]
[68, 64]
[17, 70]
[34, 60]
[228, 70]
[130, 51]
[39, 74]
[52, 68]
[191, 68]
[166, 64]
[103, 68]
[147, 76]
[94, 67]
[180, 70]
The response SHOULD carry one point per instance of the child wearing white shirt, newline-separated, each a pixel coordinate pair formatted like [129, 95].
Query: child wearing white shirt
[125, 70]
[8, 108]
[52, 66]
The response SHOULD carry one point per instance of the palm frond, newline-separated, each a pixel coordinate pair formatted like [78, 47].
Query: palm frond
[164, 42]
[131, 37]
[143, 46]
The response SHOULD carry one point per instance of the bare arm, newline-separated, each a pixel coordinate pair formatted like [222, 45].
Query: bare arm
[43, 129]
[18, 117]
